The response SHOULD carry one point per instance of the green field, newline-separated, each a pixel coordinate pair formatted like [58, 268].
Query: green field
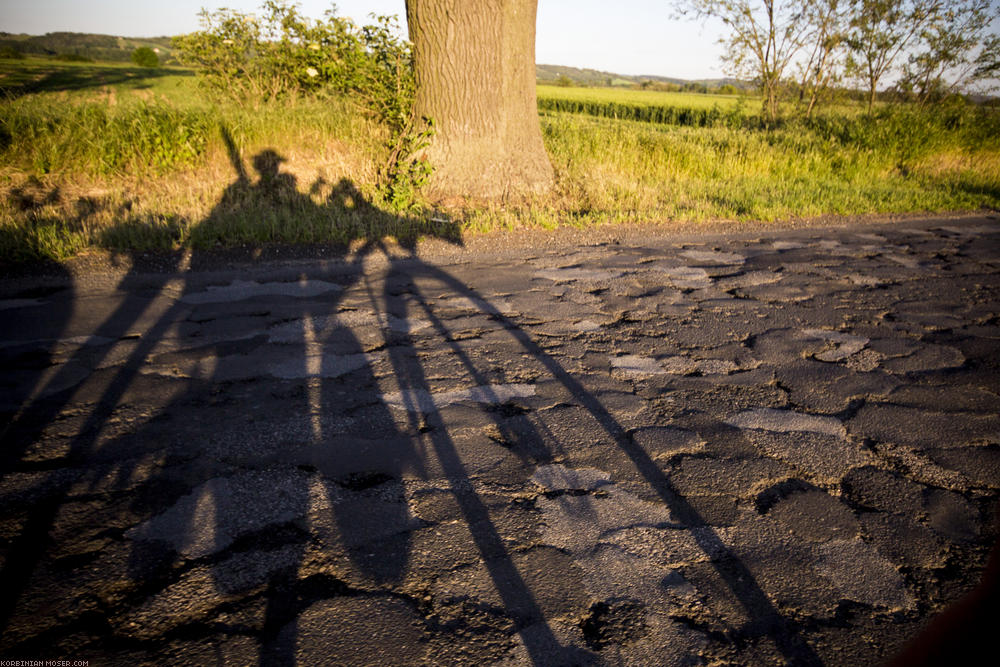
[622, 171]
[120, 158]
[650, 98]
[38, 75]
[692, 109]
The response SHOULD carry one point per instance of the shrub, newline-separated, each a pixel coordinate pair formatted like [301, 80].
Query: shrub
[283, 54]
[277, 55]
[145, 57]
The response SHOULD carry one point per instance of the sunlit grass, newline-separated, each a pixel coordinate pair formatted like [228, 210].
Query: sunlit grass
[632, 170]
[96, 160]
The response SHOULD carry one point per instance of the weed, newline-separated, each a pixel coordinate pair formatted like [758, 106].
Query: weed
[405, 172]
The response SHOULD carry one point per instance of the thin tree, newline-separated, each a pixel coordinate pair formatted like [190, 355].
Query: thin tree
[880, 32]
[824, 49]
[763, 40]
[475, 71]
[958, 51]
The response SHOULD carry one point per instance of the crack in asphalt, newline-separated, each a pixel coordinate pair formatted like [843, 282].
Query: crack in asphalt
[654, 452]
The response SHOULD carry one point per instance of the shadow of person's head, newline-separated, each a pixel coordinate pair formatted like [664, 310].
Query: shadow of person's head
[266, 163]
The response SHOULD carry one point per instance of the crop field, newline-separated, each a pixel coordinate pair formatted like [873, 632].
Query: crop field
[115, 157]
[700, 110]
[671, 108]
[652, 98]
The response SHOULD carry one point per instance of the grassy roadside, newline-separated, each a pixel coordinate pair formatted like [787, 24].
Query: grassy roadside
[111, 157]
[659, 172]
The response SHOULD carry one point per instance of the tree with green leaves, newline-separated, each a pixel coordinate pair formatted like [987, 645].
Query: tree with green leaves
[145, 57]
[763, 40]
[824, 47]
[958, 51]
[880, 32]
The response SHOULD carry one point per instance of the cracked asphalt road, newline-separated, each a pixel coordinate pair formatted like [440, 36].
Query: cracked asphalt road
[779, 447]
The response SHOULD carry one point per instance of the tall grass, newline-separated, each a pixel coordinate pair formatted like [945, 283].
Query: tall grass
[136, 136]
[47, 135]
[627, 170]
[130, 167]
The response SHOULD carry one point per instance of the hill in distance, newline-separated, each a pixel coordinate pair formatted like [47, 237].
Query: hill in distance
[593, 77]
[111, 48]
[108, 48]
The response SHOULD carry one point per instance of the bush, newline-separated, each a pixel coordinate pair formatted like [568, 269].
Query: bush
[283, 54]
[11, 53]
[145, 57]
[279, 54]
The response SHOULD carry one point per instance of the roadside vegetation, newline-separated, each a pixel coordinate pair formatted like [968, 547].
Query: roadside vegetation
[901, 161]
[318, 146]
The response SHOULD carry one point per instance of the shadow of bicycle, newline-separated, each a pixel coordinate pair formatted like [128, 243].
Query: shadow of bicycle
[248, 449]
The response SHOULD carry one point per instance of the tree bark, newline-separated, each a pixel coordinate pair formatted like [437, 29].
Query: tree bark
[475, 69]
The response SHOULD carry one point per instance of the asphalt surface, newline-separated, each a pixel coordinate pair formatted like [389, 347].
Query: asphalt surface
[767, 448]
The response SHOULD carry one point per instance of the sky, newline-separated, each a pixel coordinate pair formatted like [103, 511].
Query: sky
[624, 37]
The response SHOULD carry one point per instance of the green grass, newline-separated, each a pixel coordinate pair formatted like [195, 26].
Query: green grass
[39, 75]
[629, 171]
[97, 159]
[112, 157]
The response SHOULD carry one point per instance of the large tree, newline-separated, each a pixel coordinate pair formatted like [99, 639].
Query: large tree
[475, 69]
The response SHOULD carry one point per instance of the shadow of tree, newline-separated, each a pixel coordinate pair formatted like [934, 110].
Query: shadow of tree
[53, 224]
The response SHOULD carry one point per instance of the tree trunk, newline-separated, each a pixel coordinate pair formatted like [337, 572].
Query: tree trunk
[475, 68]
[812, 103]
[872, 83]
